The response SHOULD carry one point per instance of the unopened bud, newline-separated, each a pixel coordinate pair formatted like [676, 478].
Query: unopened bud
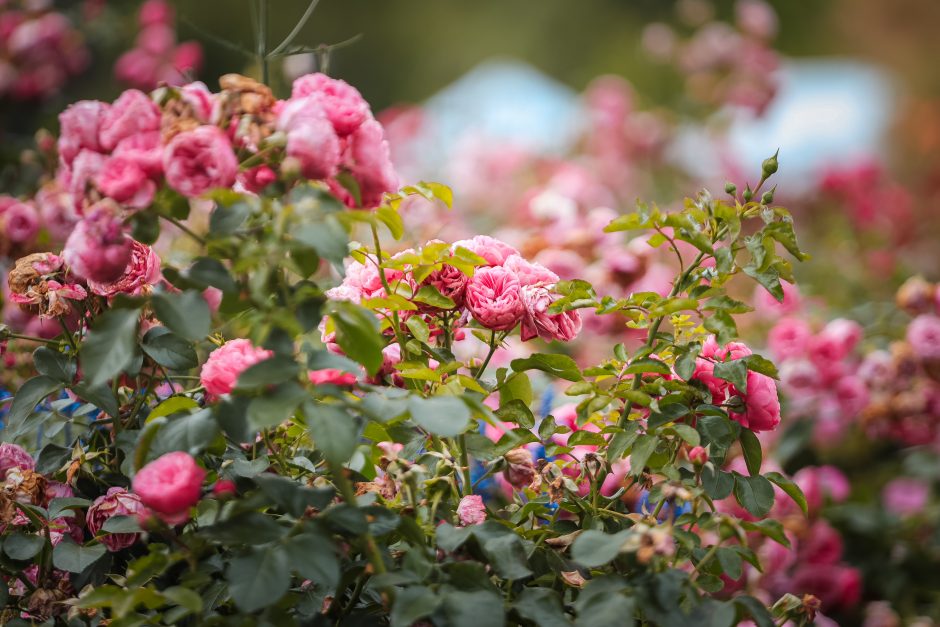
[768, 196]
[748, 194]
[769, 166]
[731, 188]
[698, 455]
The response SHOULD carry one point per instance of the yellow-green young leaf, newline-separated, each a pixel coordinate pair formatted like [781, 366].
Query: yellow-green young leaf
[391, 219]
[418, 328]
[429, 295]
[560, 366]
[440, 191]
[171, 406]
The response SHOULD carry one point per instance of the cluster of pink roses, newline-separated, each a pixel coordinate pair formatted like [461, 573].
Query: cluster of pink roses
[761, 411]
[157, 58]
[39, 50]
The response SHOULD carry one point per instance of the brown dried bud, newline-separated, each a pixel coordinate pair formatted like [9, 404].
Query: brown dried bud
[811, 605]
[46, 603]
[520, 470]
[916, 296]
[573, 578]
[25, 486]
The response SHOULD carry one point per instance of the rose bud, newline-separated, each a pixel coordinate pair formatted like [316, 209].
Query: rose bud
[698, 455]
[520, 471]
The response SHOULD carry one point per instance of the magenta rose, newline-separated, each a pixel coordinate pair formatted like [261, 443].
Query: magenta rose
[99, 249]
[221, 371]
[331, 376]
[923, 334]
[170, 485]
[140, 275]
[471, 511]
[79, 127]
[131, 114]
[905, 496]
[494, 298]
[117, 502]
[343, 104]
[836, 586]
[450, 282]
[14, 456]
[123, 180]
[495, 252]
[199, 160]
[762, 404]
[369, 160]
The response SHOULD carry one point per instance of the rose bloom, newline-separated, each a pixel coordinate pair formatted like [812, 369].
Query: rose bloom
[368, 159]
[224, 488]
[79, 127]
[132, 113]
[493, 250]
[170, 485]
[530, 273]
[450, 282]
[494, 298]
[117, 502]
[698, 455]
[762, 404]
[537, 322]
[905, 497]
[19, 222]
[145, 150]
[342, 103]
[923, 334]
[789, 338]
[221, 371]
[331, 376]
[470, 510]
[99, 249]
[139, 277]
[14, 456]
[199, 160]
[123, 180]
[316, 147]
[520, 470]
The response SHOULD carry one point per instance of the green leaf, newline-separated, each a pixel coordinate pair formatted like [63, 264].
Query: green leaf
[722, 325]
[790, 488]
[327, 237]
[517, 412]
[755, 494]
[734, 371]
[542, 606]
[717, 430]
[110, 346]
[730, 562]
[27, 397]
[688, 434]
[54, 364]
[184, 597]
[769, 279]
[313, 557]
[193, 434]
[413, 603]
[271, 371]
[560, 366]
[275, 406]
[168, 349]
[507, 556]
[209, 272]
[75, 558]
[418, 328]
[717, 483]
[228, 217]
[769, 527]
[259, 578]
[516, 387]
[446, 416]
[642, 450]
[186, 313]
[750, 446]
[473, 609]
[593, 548]
[23, 546]
[647, 365]
[783, 233]
[429, 295]
[59, 506]
[121, 524]
[759, 364]
[172, 405]
[357, 333]
[334, 431]
[754, 609]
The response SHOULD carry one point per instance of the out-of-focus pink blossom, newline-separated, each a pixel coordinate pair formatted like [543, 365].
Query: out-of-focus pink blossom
[905, 496]
[199, 160]
[221, 371]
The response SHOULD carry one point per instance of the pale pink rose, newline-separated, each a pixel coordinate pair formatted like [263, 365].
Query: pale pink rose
[342, 103]
[331, 376]
[789, 338]
[368, 159]
[471, 511]
[315, 145]
[82, 172]
[493, 250]
[923, 334]
[538, 322]
[213, 297]
[221, 371]
[762, 404]
[567, 264]
[905, 496]
[56, 211]
[202, 101]
[756, 18]
[99, 249]
[19, 222]
[79, 126]
[117, 502]
[132, 113]
[847, 333]
[494, 298]
[199, 160]
[530, 273]
[170, 485]
[14, 456]
[144, 150]
[140, 275]
[124, 181]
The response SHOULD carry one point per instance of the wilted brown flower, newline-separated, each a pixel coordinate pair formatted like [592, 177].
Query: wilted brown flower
[38, 283]
[520, 470]
[25, 486]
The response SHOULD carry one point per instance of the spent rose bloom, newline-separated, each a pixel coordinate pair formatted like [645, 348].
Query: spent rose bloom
[99, 249]
[221, 371]
[331, 376]
[132, 113]
[493, 250]
[520, 469]
[470, 510]
[14, 456]
[923, 334]
[199, 160]
[139, 277]
[343, 104]
[117, 502]
[494, 298]
[170, 485]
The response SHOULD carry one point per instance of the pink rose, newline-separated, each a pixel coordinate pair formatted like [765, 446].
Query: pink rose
[199, 160]
[99, 249]
[342, 103]
[14, 456]
[450, 282]
[132, 113]
[331, 376]
[530, 273]
[538, 322]
[221, 371]
[905, 497]
[200, 99]
[224, 488]
[494, 298]
[56, 211]
[767, 305]
[155, 12]
[314, 144]
[117, 502]
[124, 181]
[762, 405]
[170, 485]
[145, 150]
[732, 350]
[19, 222]
[470, 510]
[369, 161]
[256, 179]
[836, 586]
[789, 338]
[821, 545]
[79, 127]
[847, 333]
[852, 396]
[698, 455]
[923, 334]
[493, 250]
[84, 170]
[139, 277]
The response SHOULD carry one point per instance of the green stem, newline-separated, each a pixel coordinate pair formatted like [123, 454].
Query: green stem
[349, 495]
[263, 40]
[30, 338]
[486, 362]
[185, 229]
[710, 554]
[296, 30]
[396, 321]
[464, 464]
